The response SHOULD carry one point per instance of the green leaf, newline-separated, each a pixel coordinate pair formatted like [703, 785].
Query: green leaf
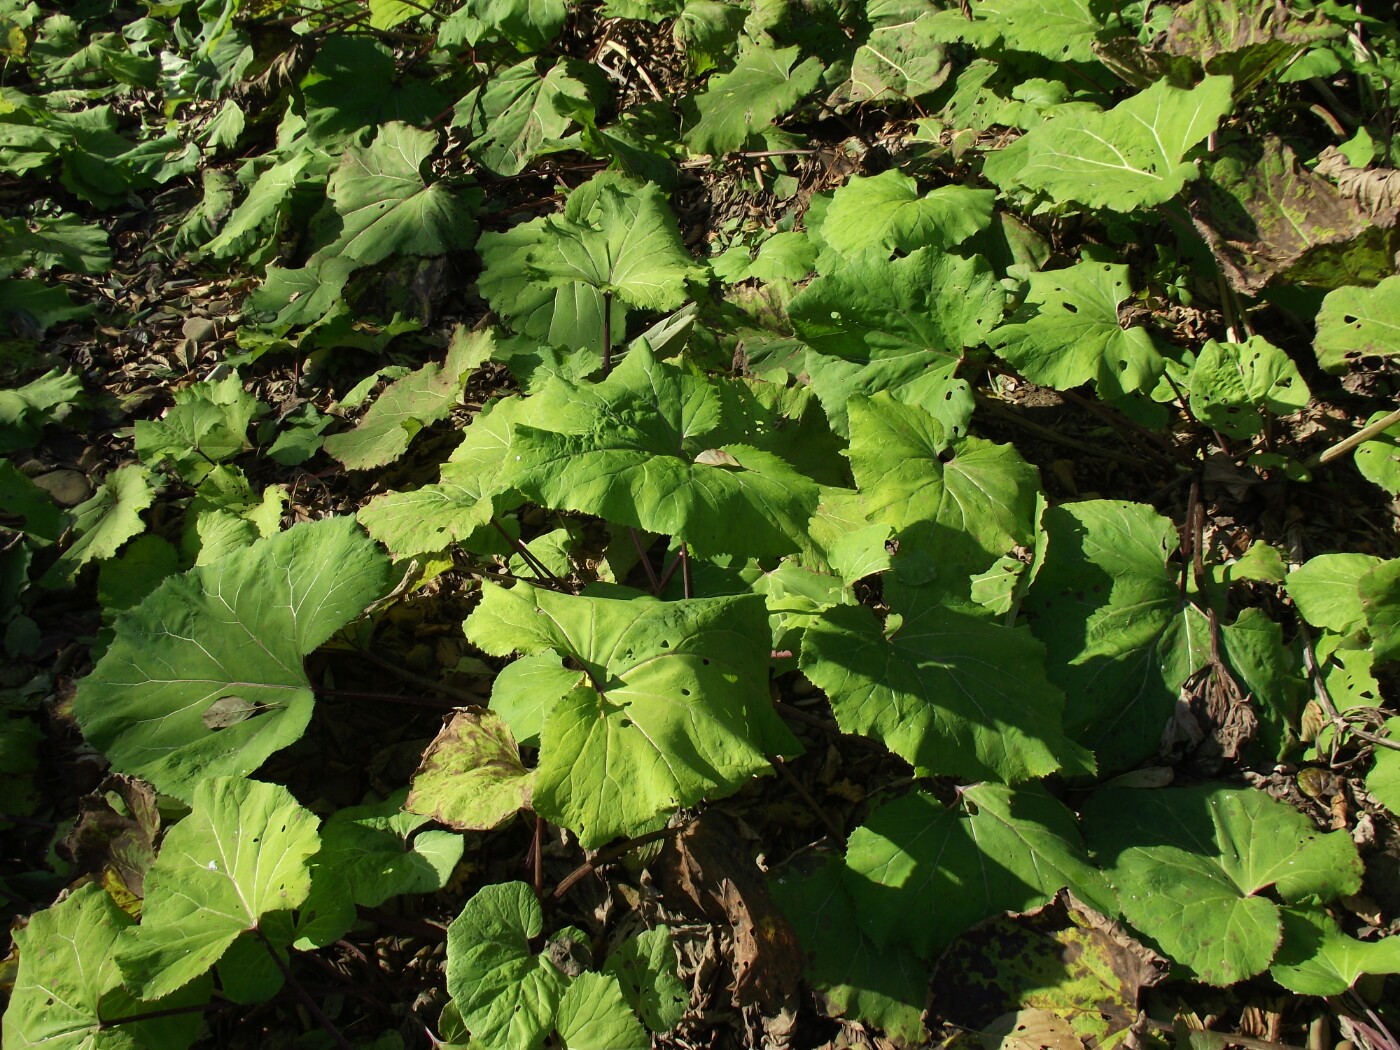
[515, 118]
[764, 85]
[1326, 590]
[897, 60]
[1231, 383]
[354, 84]
[26, 410]
[1061, 30]
[1073, 336]
[1383, 781]
[954, 515]
[411, 403]
[103, 523]
[645, 968]
[1358, 322]
[207, 425]
[950, 693]
[1317, 958]
[236, 628]
[885, 987]
[268, 196]
[899, 325]
[28, 508]
[468, 494]
[628, 247]
[386, 206]
[669, 704]
[238, 857]
[887, 213]
[530, 25]
[633, 450]
[1119, 639]
[1189, 865]
[1379, 590]
[1378, 460]
[593, 1015]
[921, 873]
[1126, 158]
[471, 777]
[507, 996]
[1233, 38]
[68, 991]
[61, 242]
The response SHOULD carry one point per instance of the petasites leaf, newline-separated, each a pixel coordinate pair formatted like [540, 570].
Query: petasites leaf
[633, 450]
[954, 515]
[952, 694]
[507, 995]
[1061, 30]
[763, 85]
[1068, 333]
[1128, 157]
[645, 968]
[68, 992]
[1380, 602]
[1378, 460]
[1317, 958]
[1242, 40]
[887, 213]
[1232, 383]
[1326, 590]
[1119, 639]
[1189, 865]
[207, 424]
[27, 409]
[669, 702]
[103, 523]
[239, 627]
[628, 247]
[900, 325]
[386, 206]
[593, 1015]
[898, 59]
[886, 987]
[238, 857]
[411, 403]
[471, 777]
[1358, 322]
[921, 873]
[514, 119]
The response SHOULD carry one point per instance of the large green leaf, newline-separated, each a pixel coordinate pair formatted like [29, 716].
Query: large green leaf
[886, 212]
[898, 59]
[1317, 958]
[1231, 383]
[954, 515]
[1061, 30]
[1358, 322]
[593, 1015]
[763, 85]
[239, 856]
[921, 873]
[634, 450]
[628, 246]
[411, 403]
[900, 325]
[952, 694]
[386, 206]
[507, 995]
[354, 84]
[68, 992]
[235, 630]
[1120, 641]
[1190, 864]
[857, 979]
[1327, 590]
[514, 119]
[1126, 158]
[1068, 333]
[668, 705]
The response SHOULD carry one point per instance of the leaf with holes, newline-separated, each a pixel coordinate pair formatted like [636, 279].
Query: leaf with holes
[1128, 157]
[1232, 383]
[668, 704]
[239, 627]
[1068, 333]
[1190, 866]
[1356, 323]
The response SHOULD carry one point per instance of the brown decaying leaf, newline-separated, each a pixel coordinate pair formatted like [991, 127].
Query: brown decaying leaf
[706, 872]
[114, 836]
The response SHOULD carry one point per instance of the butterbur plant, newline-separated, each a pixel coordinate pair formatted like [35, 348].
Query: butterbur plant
[545, 523]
